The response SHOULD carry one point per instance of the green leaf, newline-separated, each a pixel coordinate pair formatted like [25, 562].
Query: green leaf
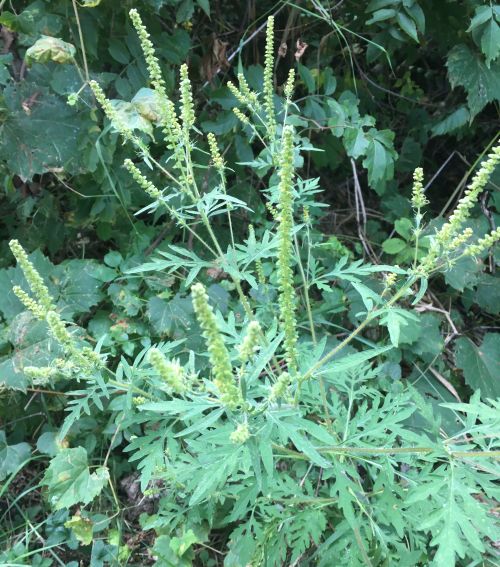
[460, 117]
[32, 347]
[404, 227]
[11, 456]
[25, 130]
[407, 25]
[128, 114]
[483, 14]
[487, 293]
[464, 273]
[69, 480]
[205, 6]
[481, 365]
[48, 443]
[179, 545]
[352, 360]
[490, 41]
[430, 340]
[481, 83]
[118, 51]
[417, 14]
[380, 158]
[173, 318]
[395, 319]
[184, 11]
[308, 78]
[382, 15]
[393, 245]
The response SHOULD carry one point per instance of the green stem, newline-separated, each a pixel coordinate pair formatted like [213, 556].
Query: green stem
[82, 44]
[306, 290]
[370, 316]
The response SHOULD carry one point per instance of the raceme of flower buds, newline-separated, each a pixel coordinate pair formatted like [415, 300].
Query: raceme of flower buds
[170, 371]
[218, 353]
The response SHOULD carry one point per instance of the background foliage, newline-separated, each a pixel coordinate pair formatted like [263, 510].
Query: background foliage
[383, 87]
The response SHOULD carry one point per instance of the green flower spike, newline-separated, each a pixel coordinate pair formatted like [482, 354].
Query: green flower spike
[170, 371]
[483, 243]
[240, 434]
[35, 281]
[217, 351]
[141, 180]
[251, 342]
[268, 88]
[38, 311]
[215, 153]
[279, 388]
[187, 106]
[168, 117]
[449, 231]
[285, 247]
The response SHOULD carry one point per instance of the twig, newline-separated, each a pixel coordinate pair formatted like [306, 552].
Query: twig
[82, 44]
[361, 213]
[242, 45]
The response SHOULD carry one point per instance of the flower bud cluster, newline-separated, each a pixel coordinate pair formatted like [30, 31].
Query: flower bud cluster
[141, 180]
[28, 302]
[115, 118]
[217, 351]
[80, 359]
[390, 280]
[187, 105]
[285, 246]
[449, 237]
[483, 243]
[43, 301]
[170, 371]
[148, 49]
[289, 86]
[240, 434]
[279, 388]
[268, 87]
[40, 375]
[215, 153]
[418, 198]
[168, 116]
[251, 342]
[241, 117]
[461, 239]
[244, 94]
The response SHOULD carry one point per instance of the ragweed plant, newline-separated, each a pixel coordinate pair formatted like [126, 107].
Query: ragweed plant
[296, 441]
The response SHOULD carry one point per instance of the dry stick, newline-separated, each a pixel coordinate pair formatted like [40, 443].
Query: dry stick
[82, 45]
[361, 212]
[242, 45]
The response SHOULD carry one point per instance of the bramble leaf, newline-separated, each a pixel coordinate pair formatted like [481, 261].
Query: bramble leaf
[69, 480]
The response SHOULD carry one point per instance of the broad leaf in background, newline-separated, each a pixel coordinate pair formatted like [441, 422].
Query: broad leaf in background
[39, 132]
[50, 49]
[482, 84]
[481, 365]
[11, 456]
[69, 480]
[32, 346]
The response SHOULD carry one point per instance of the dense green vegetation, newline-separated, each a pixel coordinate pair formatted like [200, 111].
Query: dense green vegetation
[249, 300]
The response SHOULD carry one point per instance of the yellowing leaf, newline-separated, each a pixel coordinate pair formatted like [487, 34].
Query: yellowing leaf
[69, 480]
[50, 49]
[82, 528]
